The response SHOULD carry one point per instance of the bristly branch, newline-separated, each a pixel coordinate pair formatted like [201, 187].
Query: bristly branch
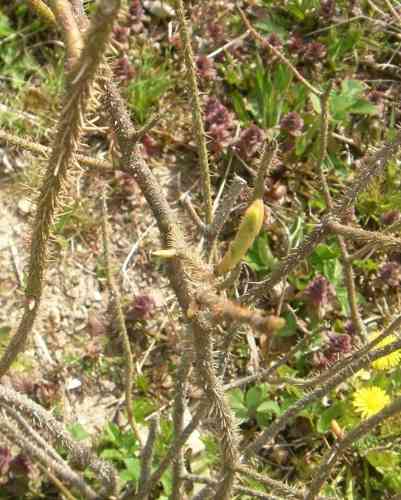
[121, 326]
[182, 374]
[65, 19]
[197, 115]
[99, 166]
[80, 81]
[372, 168]
[268, 154]
[147, 457]
[347, 265]
[182, 278]
[341, 446]
[223, 211]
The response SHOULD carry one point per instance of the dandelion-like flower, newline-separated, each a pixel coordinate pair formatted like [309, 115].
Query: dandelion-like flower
[370, 400]
[390, 360]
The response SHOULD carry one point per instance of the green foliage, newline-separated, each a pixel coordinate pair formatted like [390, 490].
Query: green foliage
[256, 403]
[151, 82]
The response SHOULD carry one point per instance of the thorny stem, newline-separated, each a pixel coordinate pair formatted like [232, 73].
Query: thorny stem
[178, 421]
[265, 164]
[373, 167]
[239, 489]
[101, 166]
[65, 146]
[64, 15]
[176, 445]
[121, 326]
[348, 270]
[186, 275]
[147, 456]
[197, 118]
[223, 212]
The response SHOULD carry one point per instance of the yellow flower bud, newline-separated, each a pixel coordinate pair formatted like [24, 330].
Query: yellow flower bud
[248, 230]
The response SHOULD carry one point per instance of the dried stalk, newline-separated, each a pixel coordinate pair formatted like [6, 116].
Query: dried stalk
[197, 118]
[101, 166]
[178, 420]
[64, 15]
[347, 265]
[65, 145]
[121, 326]
[147, 457]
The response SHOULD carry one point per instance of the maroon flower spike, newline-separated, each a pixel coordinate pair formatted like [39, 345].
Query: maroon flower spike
[5, 460]
[218, 124]
[121, 33]
[349, 327]
[327, 8]
[339, 343]
[296, 44]
[249, 142]
[390, 273]
[136, 10]
[318, 295]
[390, 217]
[292, 123]
[205, 67]
[314, 52]
[274, 40]
[216, 32]
[21, 465]
[123, 69]
[142, 308]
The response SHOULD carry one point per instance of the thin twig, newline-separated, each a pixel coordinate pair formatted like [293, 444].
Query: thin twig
[265, 43]
[197, 119]
[122, 328]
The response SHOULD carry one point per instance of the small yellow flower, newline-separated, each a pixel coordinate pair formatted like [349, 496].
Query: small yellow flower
[370, 400]
[389, 361]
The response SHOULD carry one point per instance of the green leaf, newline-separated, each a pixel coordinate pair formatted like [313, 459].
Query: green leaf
[5, 28]
[113, 454]
[315, 103]
[132, 471]
[383, 460]
[335, 412]
[269, 407]
[78, 432]
[255, 395]
[363, 107]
